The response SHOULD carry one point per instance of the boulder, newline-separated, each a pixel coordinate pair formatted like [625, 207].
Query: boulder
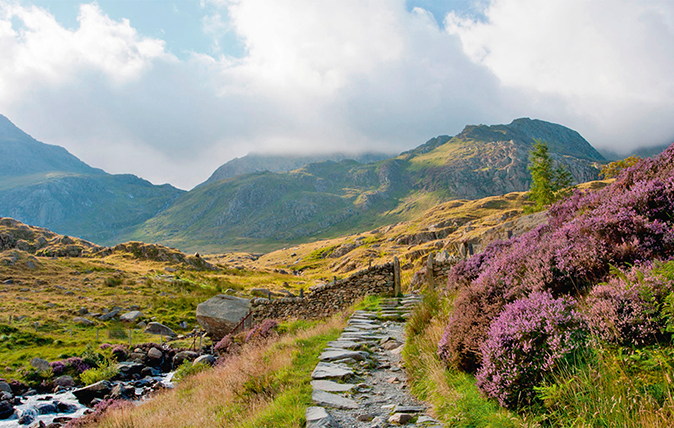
[155, 354]
[128, 368]
[121, 391]
[132, 316]
[40, 364]
[6, 410]
[83, 321]
[206, 359]
[110, 315]
[220, 314]
[158, 328]
[45, 408]
[181, 356]
[97, 390]
[4, 386]
[64, 381]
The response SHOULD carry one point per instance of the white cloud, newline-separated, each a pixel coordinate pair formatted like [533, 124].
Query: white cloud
[332, 75]
[610, 61]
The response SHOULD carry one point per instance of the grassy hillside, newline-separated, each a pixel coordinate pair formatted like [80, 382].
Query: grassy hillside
[267, 211]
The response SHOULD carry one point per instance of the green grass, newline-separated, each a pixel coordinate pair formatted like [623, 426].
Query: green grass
[612, 388]
[291, 386]
[455, 398]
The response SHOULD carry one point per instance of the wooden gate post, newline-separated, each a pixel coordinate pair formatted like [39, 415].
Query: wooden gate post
[429, 272]
[397, 288]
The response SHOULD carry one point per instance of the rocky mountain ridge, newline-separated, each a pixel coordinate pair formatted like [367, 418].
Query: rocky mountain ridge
[262, 211]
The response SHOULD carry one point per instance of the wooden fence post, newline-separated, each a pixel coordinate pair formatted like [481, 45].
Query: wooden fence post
[429, 272]
[397, 289]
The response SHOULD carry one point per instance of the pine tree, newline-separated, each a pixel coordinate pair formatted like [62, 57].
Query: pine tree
[548, 184]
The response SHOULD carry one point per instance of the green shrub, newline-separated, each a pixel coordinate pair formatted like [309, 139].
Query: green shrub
[105, 372]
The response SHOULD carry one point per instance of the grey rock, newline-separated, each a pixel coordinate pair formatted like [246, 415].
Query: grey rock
[64, 381]
[123, 391]
[6, 410]
[128, 368]
[220, 314]
[365, 417]
[97, 390]
[408, 409]
[327, 399]
[131, 316]
[181, 356]
[344, 344]
[183, 325]
[109, 315]
[330, 386]
[379, 422]
[331, 371]
[206, 359]
[400, 418]
[343, 354]
[40, 364]
[155, 354]
[83, 321]
[82, 311]
[4, 386]
[45, 408]
[317, 417]
[158, 328]
[424, 419]
[27, 416]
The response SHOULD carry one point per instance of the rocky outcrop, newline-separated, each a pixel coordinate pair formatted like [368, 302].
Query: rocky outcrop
[220, 314]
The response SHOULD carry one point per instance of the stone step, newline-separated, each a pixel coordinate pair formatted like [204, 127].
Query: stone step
[318, 417]
[331, 371]
[330, 386]
[343, 354]
[328, 399]
[345, 344]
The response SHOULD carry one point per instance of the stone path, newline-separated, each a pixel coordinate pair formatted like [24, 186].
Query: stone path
[360, 381]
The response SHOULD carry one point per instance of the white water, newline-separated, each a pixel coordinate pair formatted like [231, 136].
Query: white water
[30, 402]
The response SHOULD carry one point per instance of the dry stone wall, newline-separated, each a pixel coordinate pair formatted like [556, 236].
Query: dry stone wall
[327, 299]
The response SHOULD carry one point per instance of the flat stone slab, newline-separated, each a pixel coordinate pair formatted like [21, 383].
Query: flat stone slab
[327, 399]
[317, 417]
[342, 354]
[364, 326]
[344, 344]
[331, 371]
[330, 386]
[364, 314]
[408, 409]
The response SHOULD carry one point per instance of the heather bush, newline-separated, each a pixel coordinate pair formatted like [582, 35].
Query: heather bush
[627, 222]
[72, 366]
[224, 345]
[262, 330]
[631, 308]
[526, 342]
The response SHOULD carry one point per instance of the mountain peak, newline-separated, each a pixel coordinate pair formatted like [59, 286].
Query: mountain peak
[21, 154]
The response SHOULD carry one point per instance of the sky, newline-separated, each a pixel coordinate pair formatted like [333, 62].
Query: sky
[170, 90]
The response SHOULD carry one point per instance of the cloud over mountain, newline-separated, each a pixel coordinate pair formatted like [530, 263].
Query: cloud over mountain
[326, 76]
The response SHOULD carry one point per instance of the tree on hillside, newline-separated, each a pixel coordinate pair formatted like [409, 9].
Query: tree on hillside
[548, 184]
[613, 169]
